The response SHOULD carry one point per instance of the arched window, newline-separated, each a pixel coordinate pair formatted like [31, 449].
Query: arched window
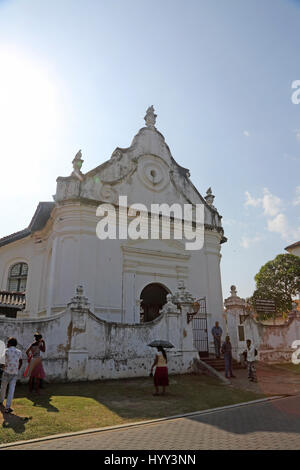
[17, 277]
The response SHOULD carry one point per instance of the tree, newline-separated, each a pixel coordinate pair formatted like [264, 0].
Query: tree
[278, 280]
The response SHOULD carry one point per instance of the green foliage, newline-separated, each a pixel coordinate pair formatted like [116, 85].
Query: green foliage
[278, 280]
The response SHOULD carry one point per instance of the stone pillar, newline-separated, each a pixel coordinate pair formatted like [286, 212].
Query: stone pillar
[214, 297]
[236, 311]
[129, 297]
[185, 302]
[173, 317]
[179, 330]
[51, 279]
[78, 353]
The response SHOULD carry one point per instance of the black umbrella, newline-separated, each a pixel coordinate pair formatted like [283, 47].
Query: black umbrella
[161, 342]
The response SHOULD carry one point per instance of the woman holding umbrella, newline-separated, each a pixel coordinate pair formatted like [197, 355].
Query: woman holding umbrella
[161, 378]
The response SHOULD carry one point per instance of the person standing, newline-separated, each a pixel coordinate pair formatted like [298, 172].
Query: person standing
[251, 361]
[161, 377]
[227, 351]
[217, 334]
[35, 368]
[13, 362]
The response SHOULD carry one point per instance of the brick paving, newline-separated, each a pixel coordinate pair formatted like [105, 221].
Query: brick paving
[271, 381]
[267, 425]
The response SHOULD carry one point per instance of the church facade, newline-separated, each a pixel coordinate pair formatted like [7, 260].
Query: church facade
[126, 279]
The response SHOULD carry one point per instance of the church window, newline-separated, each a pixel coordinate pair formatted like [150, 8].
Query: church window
[17, 277]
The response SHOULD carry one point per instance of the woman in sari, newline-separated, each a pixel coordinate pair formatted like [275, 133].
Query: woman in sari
[35, 368]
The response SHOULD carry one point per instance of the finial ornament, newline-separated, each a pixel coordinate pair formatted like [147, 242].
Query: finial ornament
[150, 117]
[233, 291]
[79, 301]
[209, 197]
[77, 164]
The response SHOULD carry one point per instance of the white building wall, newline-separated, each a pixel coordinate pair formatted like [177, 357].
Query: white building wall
[114, 272]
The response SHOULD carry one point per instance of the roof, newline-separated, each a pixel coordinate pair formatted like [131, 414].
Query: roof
[294, 245]
[37, 222]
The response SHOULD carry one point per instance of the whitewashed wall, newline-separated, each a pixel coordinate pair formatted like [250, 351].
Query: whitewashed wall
[273, 341]
[80, 346]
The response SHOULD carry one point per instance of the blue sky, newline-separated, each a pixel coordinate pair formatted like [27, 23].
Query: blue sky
[79, 74]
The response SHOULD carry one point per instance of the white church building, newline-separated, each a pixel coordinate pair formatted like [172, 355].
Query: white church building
[126, 280]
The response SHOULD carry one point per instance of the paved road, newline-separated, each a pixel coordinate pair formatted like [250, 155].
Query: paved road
[267, 425]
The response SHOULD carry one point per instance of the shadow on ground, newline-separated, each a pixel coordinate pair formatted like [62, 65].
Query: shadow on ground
[12, 421]
[86, 405]
[276, 416]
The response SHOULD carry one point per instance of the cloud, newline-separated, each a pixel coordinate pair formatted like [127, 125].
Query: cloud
[251, 201]
[277, 221]
[234, 223]
[296, 201]
[246, 133]
[281, 225]
[269, 202]
[246, 242]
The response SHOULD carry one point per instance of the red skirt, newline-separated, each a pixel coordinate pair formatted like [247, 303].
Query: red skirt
[161, 377]
[38, 372]
[35, 368]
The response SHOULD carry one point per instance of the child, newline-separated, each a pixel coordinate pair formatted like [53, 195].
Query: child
[251, 353]
[13, 362]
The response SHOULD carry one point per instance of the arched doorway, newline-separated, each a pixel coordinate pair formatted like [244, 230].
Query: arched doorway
[153, 297]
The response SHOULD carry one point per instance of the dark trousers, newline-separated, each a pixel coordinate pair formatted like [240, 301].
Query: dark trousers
[252, 371]
[217, 342]
[228, 365]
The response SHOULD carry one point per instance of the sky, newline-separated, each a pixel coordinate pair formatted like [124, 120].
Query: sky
[80, 74]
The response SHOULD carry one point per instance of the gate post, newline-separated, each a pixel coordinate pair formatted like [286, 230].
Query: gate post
[78, 353]
[173, 317]
[185, 301]
[236, 312]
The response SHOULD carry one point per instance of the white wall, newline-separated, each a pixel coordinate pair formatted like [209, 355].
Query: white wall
[79, 346]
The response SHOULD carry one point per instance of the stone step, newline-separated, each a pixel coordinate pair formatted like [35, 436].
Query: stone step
[219, 364]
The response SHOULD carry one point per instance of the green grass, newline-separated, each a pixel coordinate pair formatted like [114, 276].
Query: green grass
[84, 405]
[290, 367]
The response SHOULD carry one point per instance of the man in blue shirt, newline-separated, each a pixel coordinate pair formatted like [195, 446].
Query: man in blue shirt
[217, 334]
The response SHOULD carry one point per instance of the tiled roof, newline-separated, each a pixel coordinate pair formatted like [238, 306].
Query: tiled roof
[14, 236]
[294, 245]
[12, 299]
[38, 222]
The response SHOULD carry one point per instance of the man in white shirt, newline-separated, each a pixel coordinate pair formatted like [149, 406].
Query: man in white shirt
[13, 362]
[251, 359]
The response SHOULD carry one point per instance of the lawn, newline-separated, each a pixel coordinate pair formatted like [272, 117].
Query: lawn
[289, 367]
[84, 405]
